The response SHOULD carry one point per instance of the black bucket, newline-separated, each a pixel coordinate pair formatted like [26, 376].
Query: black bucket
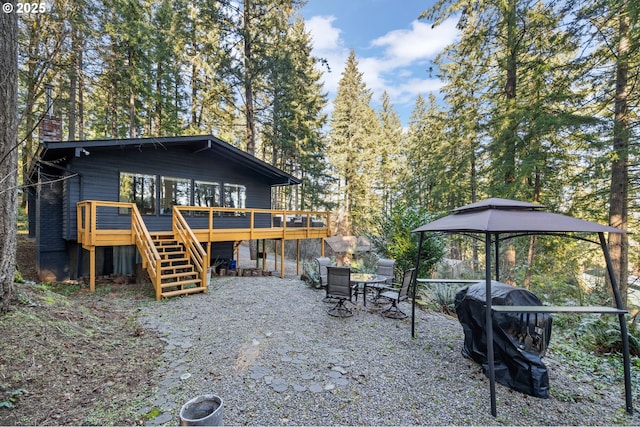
[204, 410]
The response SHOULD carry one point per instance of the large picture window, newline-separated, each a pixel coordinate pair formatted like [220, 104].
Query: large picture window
[174, 191]
[139, 189]
[235, 196]
[206, 194]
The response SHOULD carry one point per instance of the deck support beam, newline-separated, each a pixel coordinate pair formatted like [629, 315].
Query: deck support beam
[282, 258]
[92, 268]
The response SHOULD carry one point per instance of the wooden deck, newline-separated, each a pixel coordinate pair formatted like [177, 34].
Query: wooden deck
[194, 240]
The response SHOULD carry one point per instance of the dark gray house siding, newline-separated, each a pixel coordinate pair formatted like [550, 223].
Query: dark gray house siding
[99, 176]
[92, 172]
[51, 249]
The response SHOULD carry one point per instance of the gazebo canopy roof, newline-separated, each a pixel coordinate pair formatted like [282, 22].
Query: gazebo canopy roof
[496, 215]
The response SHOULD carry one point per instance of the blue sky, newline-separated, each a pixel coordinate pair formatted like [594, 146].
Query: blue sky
[393, 48]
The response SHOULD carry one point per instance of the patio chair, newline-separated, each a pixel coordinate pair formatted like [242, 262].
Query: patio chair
[339, 287]
[385, 268]
[323, 263]
[397, 295]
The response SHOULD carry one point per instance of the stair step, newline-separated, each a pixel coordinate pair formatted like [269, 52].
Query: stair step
[171, 255]
[180, 275]
[170, 294]
[180, 283]
[177, 268]
[162, 238]
[169, 248]
[174, 262]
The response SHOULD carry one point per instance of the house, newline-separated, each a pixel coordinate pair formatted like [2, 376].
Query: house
[172, 204]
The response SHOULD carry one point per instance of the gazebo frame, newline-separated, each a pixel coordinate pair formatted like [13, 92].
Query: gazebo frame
[495, 217]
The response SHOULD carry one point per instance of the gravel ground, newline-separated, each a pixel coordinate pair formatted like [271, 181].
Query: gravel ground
[267, 346]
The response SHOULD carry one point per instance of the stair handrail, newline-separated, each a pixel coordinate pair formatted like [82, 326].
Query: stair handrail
[183, 233]
[147, 249]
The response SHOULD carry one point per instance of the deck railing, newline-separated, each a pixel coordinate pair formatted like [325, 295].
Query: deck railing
[103, 223]
[146, 247]
[195, 251]
[90, 236]
[281, 224]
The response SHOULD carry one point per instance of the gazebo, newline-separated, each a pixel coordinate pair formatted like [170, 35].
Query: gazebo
[501, 219]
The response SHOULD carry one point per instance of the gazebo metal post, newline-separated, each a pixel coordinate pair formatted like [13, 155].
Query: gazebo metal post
[489, 321]
[497, 255]
[415, 283]
[623, 324]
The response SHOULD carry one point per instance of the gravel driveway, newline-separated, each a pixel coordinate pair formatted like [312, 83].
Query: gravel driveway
[267, 346]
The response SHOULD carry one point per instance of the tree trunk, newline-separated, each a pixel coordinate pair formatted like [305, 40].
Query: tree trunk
[618, 198]
[194, 96]
[8, 154]
[248, 82]
[73, 82]
[80, 120]
[510, 91]
[132, 99]
[157, 118]
[532, 239]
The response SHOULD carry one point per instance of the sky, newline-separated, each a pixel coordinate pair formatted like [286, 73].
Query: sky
[393, 48]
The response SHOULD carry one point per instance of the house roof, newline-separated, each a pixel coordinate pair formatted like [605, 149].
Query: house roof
[511, 216]
[48, 151]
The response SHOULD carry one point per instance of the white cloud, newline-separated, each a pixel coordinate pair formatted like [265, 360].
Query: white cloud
[403, 47]
[397, 62]
[325, 36]
[328, 45]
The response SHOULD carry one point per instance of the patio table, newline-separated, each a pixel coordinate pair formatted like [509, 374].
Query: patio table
[366, 280]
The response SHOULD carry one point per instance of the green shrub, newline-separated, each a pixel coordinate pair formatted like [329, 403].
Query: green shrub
[440, 296]
[365, 263]
[602, 335]
[17, 277]
[391, 237]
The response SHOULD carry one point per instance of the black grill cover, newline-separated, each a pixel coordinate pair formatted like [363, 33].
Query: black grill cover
[520, 339]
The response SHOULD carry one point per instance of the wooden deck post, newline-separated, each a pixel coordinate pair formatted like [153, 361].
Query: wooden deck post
[282, 258]
[298, 257]
[92, 268]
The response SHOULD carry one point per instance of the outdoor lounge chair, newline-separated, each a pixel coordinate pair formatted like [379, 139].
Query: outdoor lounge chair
[397, 295]
[339, 287]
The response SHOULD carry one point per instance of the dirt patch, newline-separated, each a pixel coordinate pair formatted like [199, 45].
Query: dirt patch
[26, 257]
[79, 359]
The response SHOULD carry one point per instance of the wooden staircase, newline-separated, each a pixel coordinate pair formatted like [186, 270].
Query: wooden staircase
[178, 276]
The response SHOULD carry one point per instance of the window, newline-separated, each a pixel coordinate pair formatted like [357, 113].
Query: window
[139, 189]
[234, 197]
[206, 194]
[174, 191]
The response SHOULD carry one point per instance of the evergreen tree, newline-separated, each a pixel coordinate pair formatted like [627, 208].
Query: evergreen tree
[293, 137]
[391, 163]
[123, 86]
[353, 150]
[8, 155]
[612, 29]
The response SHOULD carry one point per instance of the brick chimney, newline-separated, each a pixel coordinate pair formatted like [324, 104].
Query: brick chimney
[50, 128]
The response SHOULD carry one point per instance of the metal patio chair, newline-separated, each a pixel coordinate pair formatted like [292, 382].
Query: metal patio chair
[386, 269]
[398, 295]
[323, 262]
[339, 287]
